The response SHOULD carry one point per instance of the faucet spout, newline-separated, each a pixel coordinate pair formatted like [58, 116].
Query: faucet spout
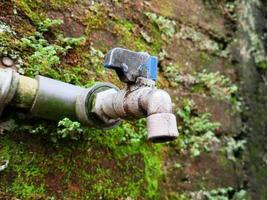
[161, 123]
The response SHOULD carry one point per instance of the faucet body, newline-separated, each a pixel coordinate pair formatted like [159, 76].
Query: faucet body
[140, 100]
[103, 105]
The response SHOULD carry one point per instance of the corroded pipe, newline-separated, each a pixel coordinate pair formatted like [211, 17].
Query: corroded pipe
[103, 105]
[140, 101]
[25, 92]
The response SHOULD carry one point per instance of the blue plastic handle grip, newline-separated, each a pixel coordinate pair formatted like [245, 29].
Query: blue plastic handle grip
[152, 67]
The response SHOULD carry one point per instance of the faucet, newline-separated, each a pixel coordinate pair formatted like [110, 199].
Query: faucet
[103, 105]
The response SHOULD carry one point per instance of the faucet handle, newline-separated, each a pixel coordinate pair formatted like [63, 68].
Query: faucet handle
[130, 65]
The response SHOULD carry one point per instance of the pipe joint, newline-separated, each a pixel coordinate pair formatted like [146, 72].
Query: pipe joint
[140, 101]
[9, 81]
[157, 101]
[89, 109]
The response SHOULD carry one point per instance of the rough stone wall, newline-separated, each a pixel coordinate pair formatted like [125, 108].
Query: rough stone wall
[210, 63]
[253, 26]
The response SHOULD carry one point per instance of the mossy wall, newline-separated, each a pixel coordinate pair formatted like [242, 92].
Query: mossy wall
[253, 75]
[200, 61]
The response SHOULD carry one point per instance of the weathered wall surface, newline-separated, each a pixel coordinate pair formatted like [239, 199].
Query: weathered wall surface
[212, 62]
[253, 26]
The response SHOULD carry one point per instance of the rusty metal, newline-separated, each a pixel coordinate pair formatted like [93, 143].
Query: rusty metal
[103, 105]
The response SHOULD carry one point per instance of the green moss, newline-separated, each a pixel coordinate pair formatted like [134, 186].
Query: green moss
[8, 41]
[97, 18]
[124, 30]
[205, 59]
[153, 172]
[62, 3]
[42, 56]
[47, 24]
[28, 179]
[197, 131]
[117, 163]
[203, 42]
[26, 191]
[31, 8]
[166, 26]
[215, 84]
[257, 51]
[262, 64]
[157, 43]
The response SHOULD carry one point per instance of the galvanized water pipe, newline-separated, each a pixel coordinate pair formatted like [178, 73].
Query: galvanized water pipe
[50, 99]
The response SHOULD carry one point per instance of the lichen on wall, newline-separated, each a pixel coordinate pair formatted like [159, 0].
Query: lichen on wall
[253, 84]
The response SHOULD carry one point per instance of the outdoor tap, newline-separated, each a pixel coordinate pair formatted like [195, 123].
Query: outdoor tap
[140, 97]
[103, 105]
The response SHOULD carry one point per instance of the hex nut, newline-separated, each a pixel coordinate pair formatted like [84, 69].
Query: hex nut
[97, 109]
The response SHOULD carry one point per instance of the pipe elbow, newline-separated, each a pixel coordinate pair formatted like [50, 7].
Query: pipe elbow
[158, 101]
